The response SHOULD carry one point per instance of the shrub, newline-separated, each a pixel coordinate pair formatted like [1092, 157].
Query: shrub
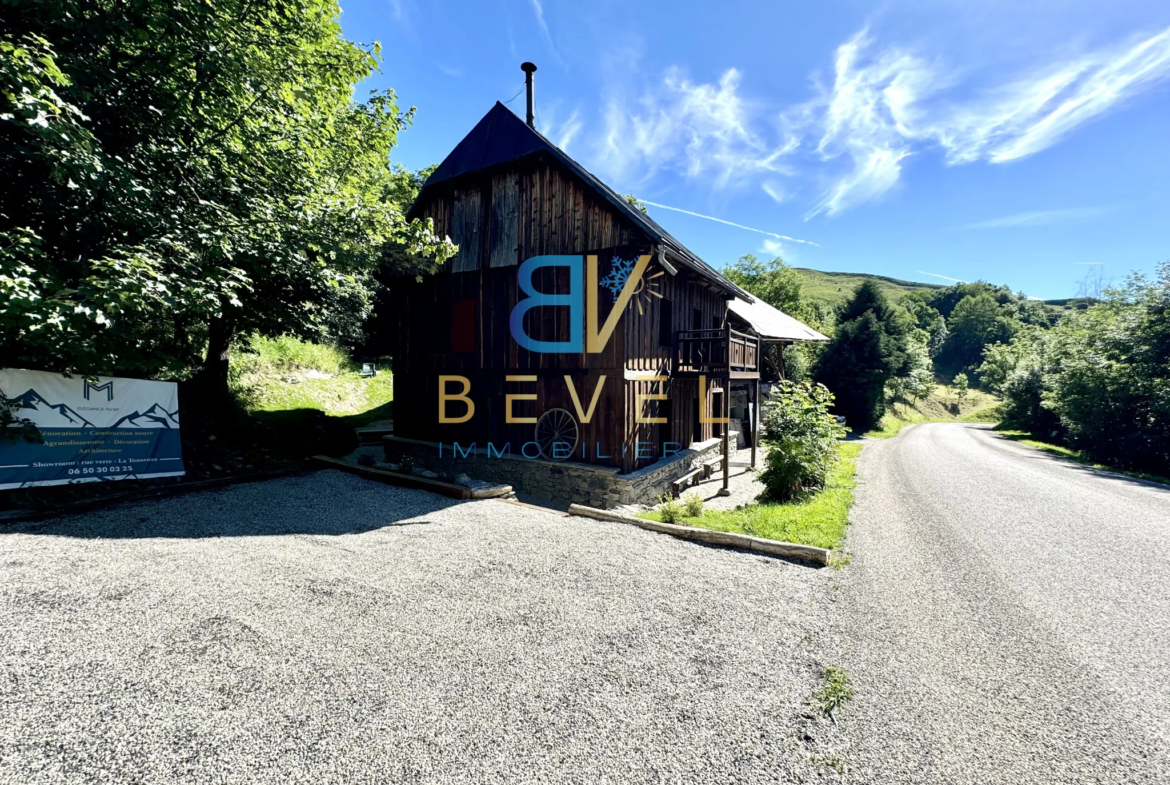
[801, 436]
[693, 503]
[671, 509]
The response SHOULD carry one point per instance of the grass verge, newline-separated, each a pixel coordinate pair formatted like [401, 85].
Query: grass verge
[1023, 437]
[942, 406]
[819, 520]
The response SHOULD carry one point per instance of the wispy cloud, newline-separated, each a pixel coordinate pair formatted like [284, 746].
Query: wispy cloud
[777, 192]
[1041, 218]
[886, 105]
[944, 277]
[449, 70]
[881, 104]
[730, 223]
[538, 8]
[561, 133]
[697, 130]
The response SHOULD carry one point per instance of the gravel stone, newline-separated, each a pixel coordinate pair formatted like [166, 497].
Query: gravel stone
[326, 629]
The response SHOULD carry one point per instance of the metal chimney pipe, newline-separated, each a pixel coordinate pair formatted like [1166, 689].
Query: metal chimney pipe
[529, 69]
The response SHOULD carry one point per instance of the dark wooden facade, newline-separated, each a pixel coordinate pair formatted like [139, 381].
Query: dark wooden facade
[456, 322]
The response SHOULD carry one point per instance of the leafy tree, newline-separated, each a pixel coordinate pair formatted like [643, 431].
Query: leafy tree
[962, 385]
[917, 378]
[1108, 375]
[975, 323]
[180, 172]
[802, 437]
[774, 282]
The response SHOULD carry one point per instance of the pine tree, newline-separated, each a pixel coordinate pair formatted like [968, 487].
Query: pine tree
[868, 348]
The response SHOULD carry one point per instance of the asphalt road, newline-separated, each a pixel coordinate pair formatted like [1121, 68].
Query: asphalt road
[1006, 618]
[325, 629]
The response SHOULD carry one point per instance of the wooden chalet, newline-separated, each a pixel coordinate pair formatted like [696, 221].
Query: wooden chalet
[506, 194]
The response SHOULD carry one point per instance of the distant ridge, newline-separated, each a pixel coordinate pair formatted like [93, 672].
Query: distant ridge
[834, 287]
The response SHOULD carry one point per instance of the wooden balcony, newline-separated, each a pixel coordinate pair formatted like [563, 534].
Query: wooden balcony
[720, 352]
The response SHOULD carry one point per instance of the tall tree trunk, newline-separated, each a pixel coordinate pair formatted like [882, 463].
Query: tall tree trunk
[214, 374]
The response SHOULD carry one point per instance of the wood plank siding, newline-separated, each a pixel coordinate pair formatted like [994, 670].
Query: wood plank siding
[499, 218]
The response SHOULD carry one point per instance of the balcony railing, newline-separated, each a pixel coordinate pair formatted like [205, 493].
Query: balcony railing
[717, 351]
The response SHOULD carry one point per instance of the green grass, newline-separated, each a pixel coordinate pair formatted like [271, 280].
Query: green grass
[1023, 437]
[941, 406]
[834, 691]
[819, 520]
[274, 375]
[835, 288]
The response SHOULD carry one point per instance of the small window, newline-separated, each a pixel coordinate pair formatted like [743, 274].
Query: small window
[665, 323]
[463, 326]
[697, 319]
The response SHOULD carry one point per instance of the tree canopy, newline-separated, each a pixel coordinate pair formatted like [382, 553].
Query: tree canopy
[179, 172]
[869, 348]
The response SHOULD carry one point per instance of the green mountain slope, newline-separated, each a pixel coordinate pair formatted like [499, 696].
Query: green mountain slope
[834, 288]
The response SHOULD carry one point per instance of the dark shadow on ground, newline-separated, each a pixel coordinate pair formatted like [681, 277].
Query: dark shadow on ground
[323, 503]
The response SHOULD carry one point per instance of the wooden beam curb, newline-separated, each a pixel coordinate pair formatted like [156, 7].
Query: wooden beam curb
[412, 481]
[744, 542]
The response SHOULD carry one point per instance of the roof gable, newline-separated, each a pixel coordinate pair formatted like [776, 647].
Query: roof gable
[502, 138]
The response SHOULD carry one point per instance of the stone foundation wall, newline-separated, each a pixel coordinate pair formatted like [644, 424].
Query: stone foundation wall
[561, 481]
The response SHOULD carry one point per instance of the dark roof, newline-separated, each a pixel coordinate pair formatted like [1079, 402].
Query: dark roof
[501, 137]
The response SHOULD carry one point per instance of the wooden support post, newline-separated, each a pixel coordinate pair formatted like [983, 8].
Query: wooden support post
[754, 419]
[726, 437]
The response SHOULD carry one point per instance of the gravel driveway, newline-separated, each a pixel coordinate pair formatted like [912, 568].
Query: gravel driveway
[323, 629]
[1006, 618]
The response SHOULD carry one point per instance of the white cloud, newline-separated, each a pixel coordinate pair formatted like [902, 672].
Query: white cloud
[866, 115]
[1040, 218]
[882, 105]
[778, 193]
[773, 247]
[561, 134]
[538, 9]
[695, 129]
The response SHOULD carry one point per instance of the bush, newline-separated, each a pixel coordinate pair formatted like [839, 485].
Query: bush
[671, 509]
[693, 503]
[801, 436]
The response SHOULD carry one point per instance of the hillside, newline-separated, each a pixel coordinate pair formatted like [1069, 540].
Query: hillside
[834, 288]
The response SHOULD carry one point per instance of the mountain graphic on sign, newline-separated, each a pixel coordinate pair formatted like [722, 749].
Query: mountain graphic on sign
[154, 417]
[35, 401]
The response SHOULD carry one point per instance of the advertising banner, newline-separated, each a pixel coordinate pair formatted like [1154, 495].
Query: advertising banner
[103, 429]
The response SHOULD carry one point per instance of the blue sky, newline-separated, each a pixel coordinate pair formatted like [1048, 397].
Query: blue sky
[1025, 143]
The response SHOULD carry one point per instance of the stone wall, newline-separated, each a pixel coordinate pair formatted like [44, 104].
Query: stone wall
[560, 481]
